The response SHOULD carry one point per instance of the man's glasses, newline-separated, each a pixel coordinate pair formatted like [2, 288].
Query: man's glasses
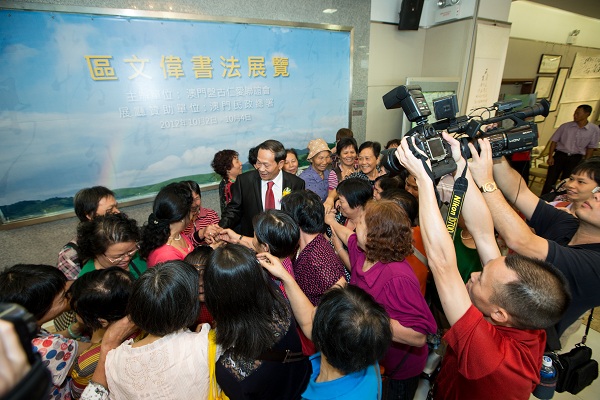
[129, 254]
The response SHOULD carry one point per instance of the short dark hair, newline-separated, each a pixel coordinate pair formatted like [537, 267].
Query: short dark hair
[33, 286]
[351, 329]
[375, 146]
[172, 203]
[276, 147]
[392, 142]
[404, 199]
[165, 298]
[94, 237]
[388, 182]
[538, 298]
[291, 150]
[199, 256]
[589, 167]
[343, 133]
[586, 108]
[356, 191]
[102, 293]
[278, 230]
[86, 201]
[253, 155]
[243, 300]
[194, 187]
[306, 209]
[198, 259]
[345, 142]
[389, 232]
[223, 161]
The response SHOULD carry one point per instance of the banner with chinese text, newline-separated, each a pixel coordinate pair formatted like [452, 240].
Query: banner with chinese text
[132, 103]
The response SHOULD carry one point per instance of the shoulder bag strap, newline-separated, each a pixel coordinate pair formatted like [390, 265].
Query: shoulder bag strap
[400, 364]
[420, 256]
[587, 327]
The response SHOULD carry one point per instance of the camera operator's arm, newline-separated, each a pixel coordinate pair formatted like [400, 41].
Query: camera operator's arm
[438, 243]
[476, 215]
[508, 223]
[512, 185]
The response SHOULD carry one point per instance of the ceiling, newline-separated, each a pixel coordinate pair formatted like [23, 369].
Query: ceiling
[589, 8]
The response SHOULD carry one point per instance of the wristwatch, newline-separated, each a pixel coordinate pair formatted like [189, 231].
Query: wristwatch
[488, 187]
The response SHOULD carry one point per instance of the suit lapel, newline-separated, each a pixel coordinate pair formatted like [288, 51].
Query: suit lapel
[257, 195]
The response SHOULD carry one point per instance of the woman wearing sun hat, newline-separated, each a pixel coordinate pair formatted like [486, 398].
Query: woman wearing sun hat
[318, 177]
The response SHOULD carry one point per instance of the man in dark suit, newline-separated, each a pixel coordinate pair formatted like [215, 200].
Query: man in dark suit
[251, 192]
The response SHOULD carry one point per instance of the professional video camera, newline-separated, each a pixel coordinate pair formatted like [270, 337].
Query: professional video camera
[521, 136]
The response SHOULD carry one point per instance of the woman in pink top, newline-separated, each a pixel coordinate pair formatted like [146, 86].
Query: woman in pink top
[161, 237]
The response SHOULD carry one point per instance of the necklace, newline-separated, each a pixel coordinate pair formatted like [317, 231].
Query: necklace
[178, 238]
[465, 237]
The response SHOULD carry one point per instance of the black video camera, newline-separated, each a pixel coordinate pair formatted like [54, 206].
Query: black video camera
[427, 139]
[520, 136]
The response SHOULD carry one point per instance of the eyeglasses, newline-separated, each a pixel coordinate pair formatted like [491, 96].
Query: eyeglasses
[596, 190]
[129, 254]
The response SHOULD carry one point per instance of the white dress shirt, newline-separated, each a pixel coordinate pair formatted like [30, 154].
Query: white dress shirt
[277, 190]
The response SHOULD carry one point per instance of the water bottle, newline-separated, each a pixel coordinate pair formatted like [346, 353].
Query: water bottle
[545, 390]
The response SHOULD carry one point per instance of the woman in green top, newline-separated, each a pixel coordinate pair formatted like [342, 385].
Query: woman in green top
[110, 241]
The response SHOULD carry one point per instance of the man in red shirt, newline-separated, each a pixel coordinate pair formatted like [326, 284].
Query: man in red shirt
[496, 340]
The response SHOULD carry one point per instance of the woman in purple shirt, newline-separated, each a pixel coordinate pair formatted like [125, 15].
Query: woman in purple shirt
[377, 253]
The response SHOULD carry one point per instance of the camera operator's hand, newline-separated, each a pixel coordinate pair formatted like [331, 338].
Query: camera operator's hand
[481, 166]
[461, 163]
[13, 360]
[408, 159]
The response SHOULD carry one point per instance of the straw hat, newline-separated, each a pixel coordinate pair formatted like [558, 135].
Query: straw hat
[315, 147]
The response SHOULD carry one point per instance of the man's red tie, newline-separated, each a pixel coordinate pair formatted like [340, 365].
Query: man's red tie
[269, 197]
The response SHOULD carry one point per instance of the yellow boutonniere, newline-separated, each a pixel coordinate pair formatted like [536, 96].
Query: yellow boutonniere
[286, 191]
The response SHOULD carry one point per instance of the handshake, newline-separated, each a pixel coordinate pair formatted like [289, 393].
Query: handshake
[216, 236]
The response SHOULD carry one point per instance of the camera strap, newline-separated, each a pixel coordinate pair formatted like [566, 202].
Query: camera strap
[458, 196]
[424, 159]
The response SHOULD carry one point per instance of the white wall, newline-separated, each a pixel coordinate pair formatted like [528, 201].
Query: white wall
[393, 56]
[538, 22]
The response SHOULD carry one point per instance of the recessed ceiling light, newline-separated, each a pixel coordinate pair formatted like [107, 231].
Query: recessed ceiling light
[329, 10]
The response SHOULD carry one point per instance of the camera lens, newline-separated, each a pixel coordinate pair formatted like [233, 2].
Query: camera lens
[390, 162]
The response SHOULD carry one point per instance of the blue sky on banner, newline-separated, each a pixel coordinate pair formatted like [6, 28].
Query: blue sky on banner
[64, 127]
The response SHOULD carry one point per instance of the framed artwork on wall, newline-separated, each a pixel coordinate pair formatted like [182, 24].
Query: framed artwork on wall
[558, 87]
[543, 86]
[549, 64]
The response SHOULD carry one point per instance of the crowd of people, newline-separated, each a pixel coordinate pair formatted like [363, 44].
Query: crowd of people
[330, 281]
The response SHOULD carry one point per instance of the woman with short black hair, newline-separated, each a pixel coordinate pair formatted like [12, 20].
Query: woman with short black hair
[99, 298]
[171, 360]
[262, 354]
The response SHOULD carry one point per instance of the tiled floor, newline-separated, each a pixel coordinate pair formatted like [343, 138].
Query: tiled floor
[591, 392]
